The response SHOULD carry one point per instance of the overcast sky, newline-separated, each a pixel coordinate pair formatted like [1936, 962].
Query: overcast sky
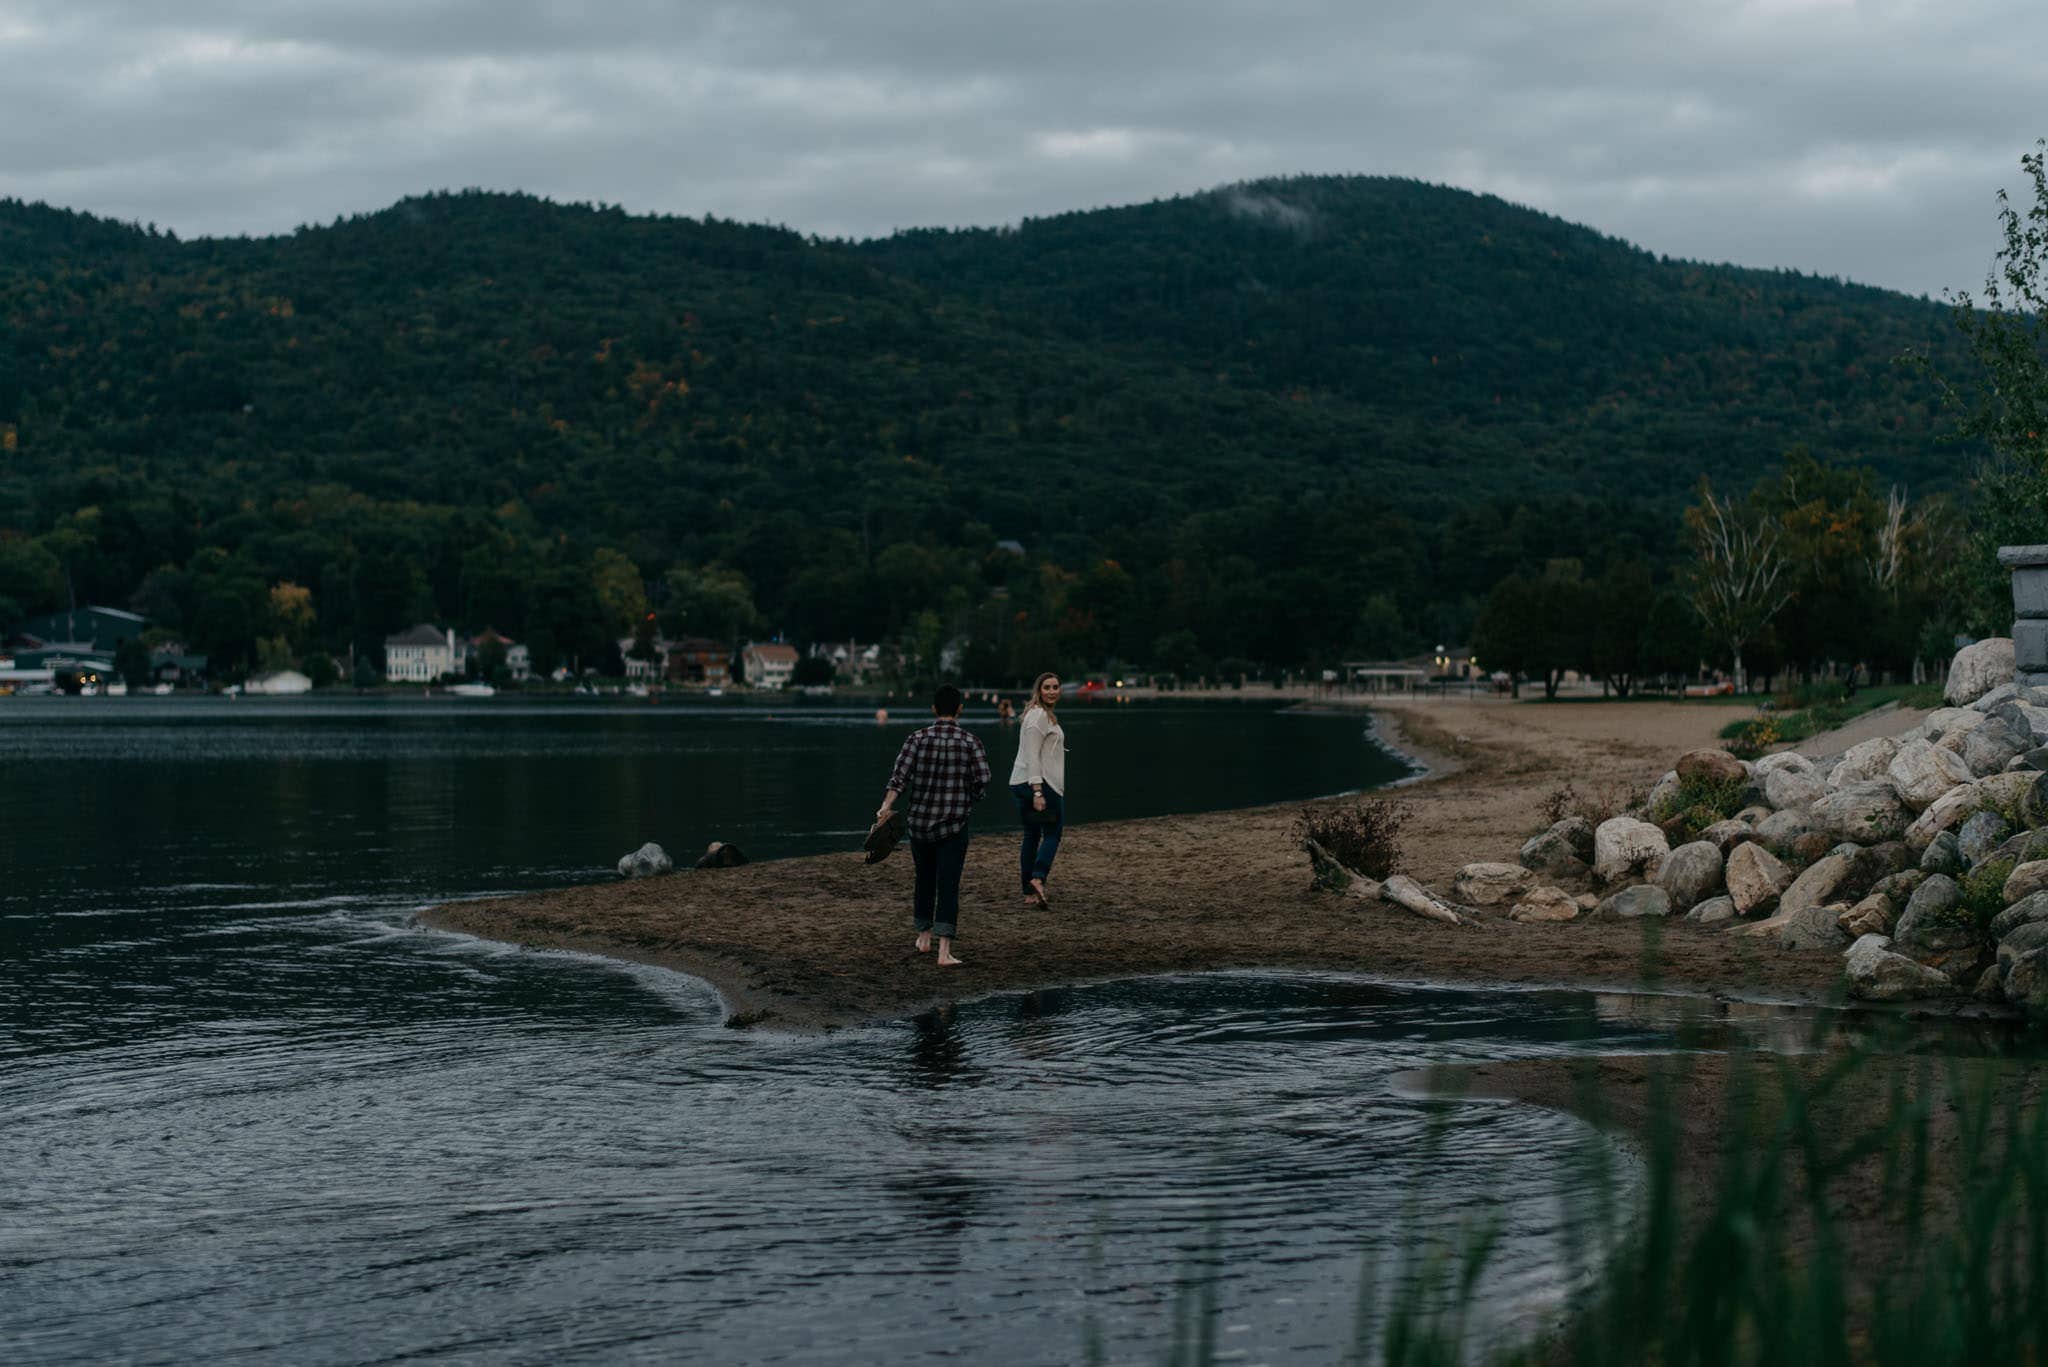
[1862, 138]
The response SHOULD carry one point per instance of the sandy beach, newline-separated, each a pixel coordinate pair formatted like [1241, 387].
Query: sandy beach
[821, 942]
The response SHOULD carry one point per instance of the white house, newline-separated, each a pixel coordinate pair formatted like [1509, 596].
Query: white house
[851, 661]
[422, 655]
[768, 664]
[647, 671]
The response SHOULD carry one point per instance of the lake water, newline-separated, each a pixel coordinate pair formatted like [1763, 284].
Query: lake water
[249, 1111]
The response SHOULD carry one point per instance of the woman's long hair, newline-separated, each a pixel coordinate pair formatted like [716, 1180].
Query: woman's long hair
[1033, 701]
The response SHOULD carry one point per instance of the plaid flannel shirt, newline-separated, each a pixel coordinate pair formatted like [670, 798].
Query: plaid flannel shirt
[945, 771]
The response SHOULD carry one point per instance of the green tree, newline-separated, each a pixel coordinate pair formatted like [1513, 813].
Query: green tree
[714, 600]
[2005, 405]
[1508, 634]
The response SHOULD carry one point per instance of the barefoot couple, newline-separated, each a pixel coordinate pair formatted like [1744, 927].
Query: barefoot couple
[945, 770]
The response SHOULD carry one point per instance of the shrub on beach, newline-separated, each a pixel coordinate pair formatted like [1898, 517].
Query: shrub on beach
[1698, 803]
[1983, 892]
[1594, 807]
[1364, 836]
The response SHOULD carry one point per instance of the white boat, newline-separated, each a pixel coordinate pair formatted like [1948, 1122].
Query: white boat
[714, 692]
[638, 690]
[162, 690]
[117, 689]
[472, 690]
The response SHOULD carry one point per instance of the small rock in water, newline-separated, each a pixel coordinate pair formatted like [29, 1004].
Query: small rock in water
[648, 861]
[1875, 973]
[719, 855]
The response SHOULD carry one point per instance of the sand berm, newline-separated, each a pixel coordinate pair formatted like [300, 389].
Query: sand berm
[821, 942]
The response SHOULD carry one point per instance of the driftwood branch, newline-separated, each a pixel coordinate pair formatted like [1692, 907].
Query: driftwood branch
[1406, 893]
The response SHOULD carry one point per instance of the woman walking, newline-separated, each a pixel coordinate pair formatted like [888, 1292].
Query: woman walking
[1039, 782]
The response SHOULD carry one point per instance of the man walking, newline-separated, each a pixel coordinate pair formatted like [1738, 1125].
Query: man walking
[945, 771]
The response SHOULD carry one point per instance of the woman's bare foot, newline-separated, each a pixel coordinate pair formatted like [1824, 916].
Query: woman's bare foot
[924, 942]
[946, 959]
[1038, 892]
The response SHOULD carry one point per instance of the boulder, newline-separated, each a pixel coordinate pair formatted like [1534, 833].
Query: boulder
[1545, 904]
[1922, 772]
[1977, 669]
[1782, 762]
[1557, 851]
[1662, 792]
[1712, 912]
[1933, 920]
[2004, 693]
[648, 861]
[1864, 812]
[1816, 927]
[1486, 885]
[1989, 748]
[1755, 878]
[2006, 792]
[1944, 855]
[1864, 762]
[1950, 723]
[1990, 988]
[2036, 759]
[2023, 940]
[2024, 848]
[1899, 886]
[1780, 829]
[1754, 815]
[1980, 835]
[1811, 846]
[2025, 880]
[1822, 881]
[1710, 766]
[1793, 789]
[2031, 718]
[2029, 909]
[1949, 810]
[1623, 848]
[2033, 805]
[2026, 982]
[1645, 899]
[1691, 873]
[1409, 895]
[719, 855]
[1874, 915]
[1726, 835]
[1876, 974]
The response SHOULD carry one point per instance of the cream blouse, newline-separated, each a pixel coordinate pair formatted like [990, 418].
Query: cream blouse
[1041, 752]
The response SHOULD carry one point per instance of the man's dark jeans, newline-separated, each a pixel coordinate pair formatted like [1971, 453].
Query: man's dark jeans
[935, 904]
[1041, 837]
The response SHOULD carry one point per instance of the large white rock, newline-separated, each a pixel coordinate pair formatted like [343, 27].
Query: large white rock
[2026, 880]
[1783, 760]
[1793, 789]
[1951, 809]
[649, 861]
[1863, 812]
[1691, 874]
[1978, 669]
[1624, 848]
[1876, 974]
[1486, 885]
[1922, 772]
[1755, 878]
[1864, 762]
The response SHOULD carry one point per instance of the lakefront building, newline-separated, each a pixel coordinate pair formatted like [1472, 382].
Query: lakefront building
[768, 664]
[422, 655]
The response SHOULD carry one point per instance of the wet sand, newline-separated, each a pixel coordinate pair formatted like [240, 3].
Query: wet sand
[821, 942]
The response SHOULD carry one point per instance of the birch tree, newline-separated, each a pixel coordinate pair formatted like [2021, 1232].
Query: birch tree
[1738, 573]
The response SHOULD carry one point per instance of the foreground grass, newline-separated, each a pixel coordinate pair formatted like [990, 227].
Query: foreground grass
[1864, 1207]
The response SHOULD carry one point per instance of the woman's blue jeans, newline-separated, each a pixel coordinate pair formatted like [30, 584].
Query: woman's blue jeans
[1041, 838]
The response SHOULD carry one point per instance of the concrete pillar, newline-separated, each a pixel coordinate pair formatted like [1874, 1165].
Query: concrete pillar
[2029, 566]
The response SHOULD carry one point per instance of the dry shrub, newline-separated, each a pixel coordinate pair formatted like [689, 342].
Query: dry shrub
[1364, 836]
[1597, 806]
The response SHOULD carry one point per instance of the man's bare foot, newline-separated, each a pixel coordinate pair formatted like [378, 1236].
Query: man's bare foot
[924, 942]
[946, 959]
[1038, 891]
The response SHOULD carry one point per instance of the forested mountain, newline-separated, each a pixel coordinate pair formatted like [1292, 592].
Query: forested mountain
[1245, 415]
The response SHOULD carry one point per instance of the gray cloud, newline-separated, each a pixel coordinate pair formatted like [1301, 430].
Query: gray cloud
[1863, 138]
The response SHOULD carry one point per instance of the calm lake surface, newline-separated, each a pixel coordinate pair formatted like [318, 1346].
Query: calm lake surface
[249, 1111]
